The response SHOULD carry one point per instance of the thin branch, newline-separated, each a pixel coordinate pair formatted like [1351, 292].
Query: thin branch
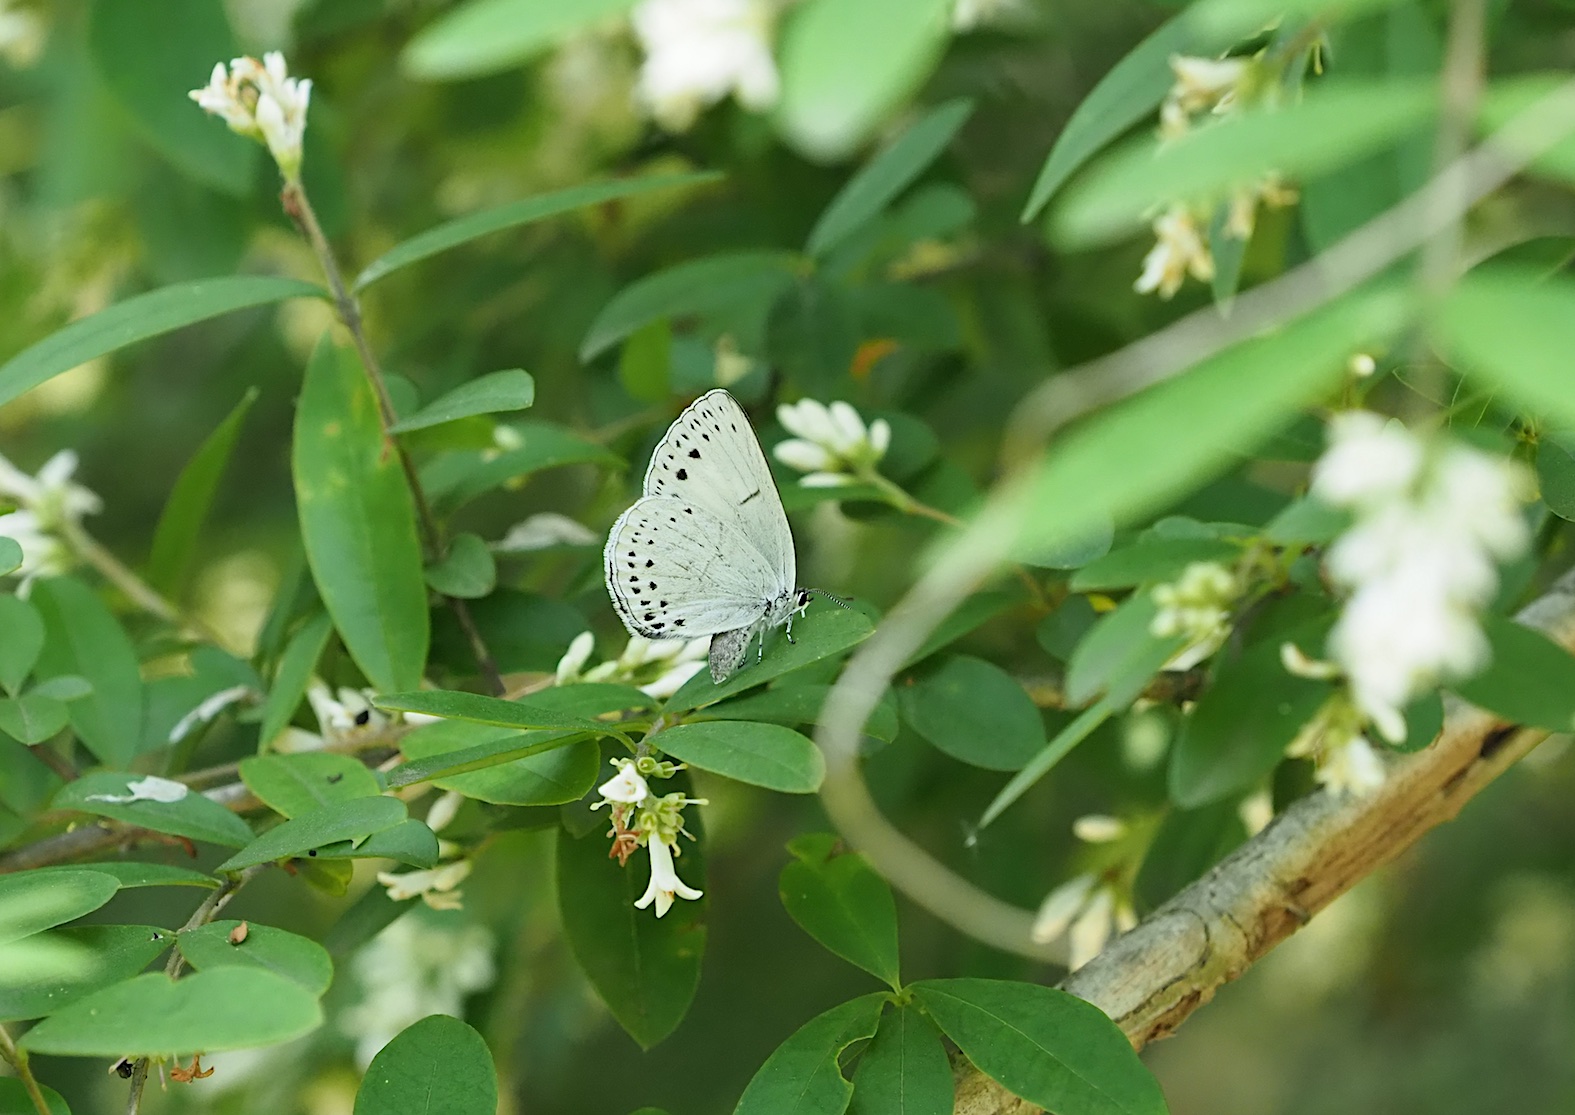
[24, 1071]
[133, 587]
[299, 207]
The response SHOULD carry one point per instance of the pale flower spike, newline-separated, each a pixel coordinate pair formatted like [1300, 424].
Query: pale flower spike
[261, 101]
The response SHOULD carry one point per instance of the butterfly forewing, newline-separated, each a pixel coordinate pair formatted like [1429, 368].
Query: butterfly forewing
[711, 460]
[674, 571]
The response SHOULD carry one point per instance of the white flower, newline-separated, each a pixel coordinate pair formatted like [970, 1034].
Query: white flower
[436, 886]
[43, 554]
[1099, 828]
[1060, 906]
[151, 788]
[209, 708]
[657, 667]
[831, 443]
[1370, 461]
[574, 659]
[1353, 768]
[699, 51]
[1086, 911]
[349, 713]
[1205, 84]
[442, 812]
[47, 505]
[665, 883]
[261, 101]
[544, 531]
[21, 35]
[626, 788]
[1196, 606]
[1179, 249]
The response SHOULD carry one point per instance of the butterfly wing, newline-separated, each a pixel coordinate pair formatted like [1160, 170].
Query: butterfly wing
[674, 571]
[710, 458]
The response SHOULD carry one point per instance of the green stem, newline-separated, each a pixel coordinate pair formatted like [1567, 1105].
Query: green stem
[133, 587]
[24, 1073]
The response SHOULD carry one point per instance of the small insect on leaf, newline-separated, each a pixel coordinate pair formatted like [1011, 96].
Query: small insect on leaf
[238, 934]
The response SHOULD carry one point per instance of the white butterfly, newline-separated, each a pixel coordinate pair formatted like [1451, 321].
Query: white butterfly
[707, 550]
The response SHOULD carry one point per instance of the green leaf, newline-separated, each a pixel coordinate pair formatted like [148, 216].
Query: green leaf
[553, 777]
[1119, 655]
[131, 875]
[31, 901]
[905, 1070]
[812, 336]
[358, 522]
[802, 1076]
[438, 1066]
[296, 958]
[468, 571]
[293, 675]
[136, 319]
[823, 632]
[177, 47]
[514, 214]
[21, 641]
[340, 820]
[1337, 122]
[299, 783]
[1555, 475]
[1049, 1047]
[1059, 747]
[886, 175]
[1508, 97]
[1150, 561]
[971, 614]
[1187, 843]
[645, 365]
[766, 755]
[453, 479]
[84, 639]
[838, 899]
[175, 538]
[644, 968]
[479, 709]
[10, 556]
[154, 1016]
[1513, 331]
[193, 816]
[838, 87]
[14, 1099]
[1163, 442]
[485, 756]
[1530, 679]
[694, 287]
[32, 718]
[63, 687]
[800, 703]
[493, 393]
[110, 953]
[410, 842]
[485, 36]
[975, 712]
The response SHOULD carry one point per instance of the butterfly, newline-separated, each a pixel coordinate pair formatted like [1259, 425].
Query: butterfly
[707, 549]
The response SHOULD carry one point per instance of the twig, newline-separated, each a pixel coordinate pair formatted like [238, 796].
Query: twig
[299, 207]
[133, 587]
[24, 1072]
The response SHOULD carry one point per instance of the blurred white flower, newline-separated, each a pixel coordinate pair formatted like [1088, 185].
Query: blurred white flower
[544, 531]
[211, 707]
[1086, 911]
[1180, 249]
[43, 554]
[1099, 828]
[47, 505]
[830, 443]
[151, 788]
[1196, 606]
[261, 101]
[1345, 761]
[442, 812]
[436, 886]
[665, 883]
[1418, 562]
[1354, 768]
[700, 51]
[21, 35]
[970, 15]
[657, 667]
[414, 968]
[1205, 84]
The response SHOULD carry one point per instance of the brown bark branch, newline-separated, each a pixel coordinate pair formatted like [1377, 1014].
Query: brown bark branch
[1152, 978]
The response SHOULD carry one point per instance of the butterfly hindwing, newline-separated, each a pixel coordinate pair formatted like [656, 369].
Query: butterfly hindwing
[673, 571]
[710, 458]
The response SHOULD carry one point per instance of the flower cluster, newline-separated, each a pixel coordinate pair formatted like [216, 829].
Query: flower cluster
[1419, 561]
[340, 717]
[657, 667]
[261, 101]
[830, 443]
[1197, 607]
[47, 506]
[699, 51]
[640, 817]
[1090, 907]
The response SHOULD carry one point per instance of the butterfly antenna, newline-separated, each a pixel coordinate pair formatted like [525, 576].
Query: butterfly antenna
[837, 600]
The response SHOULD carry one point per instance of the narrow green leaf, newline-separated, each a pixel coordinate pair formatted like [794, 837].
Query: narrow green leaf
[905, 1070]
[409, 842]
[175, 537]
[886, 175]
[293, 675]
[1119, 655]
[563, 774]
[803, 1076]
[463, 230]
[1530, 679]
[482, 37]
[479, 709]
[341, 820]
[63, 687]
[975, 712]
[110, 953]
[154, 1016]
[132, 875]
[299, 783]
[137, 319]
[1149, 562]
[1049, 1047]
[1336, 123]
[838, 899]
[453, 479]
[513, 389]
[467, 571]
[32, 718]
[485, 756]
[21, 641]
[296, 958]
[194, 816]
[1059, 747]
[1513, 331]
[438, 1066]
[358, 522]
[645, 366]
[84, 639]
[695, 287]
[766, 755]
[31, 901]
[644, 968]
